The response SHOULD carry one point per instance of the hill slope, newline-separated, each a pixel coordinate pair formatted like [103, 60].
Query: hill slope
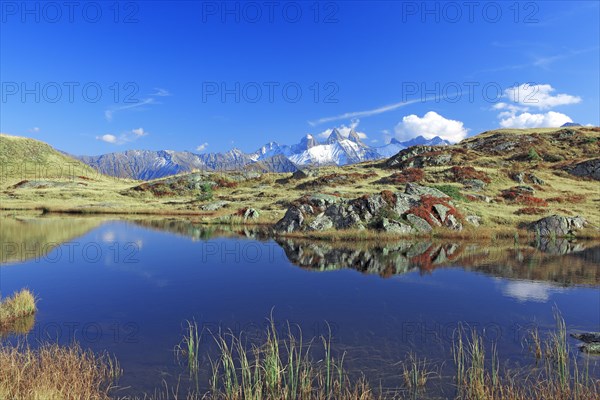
[28, 159]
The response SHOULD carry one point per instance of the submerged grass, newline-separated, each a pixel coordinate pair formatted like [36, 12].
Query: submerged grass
[290, 367]
[280, 368]
[19, 305]
[478, 376]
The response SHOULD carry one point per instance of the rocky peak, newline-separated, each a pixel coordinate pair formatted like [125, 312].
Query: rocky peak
[334, 136]
[353, 136]
[307, 142]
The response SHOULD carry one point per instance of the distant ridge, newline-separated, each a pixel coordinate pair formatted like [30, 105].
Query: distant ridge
[271, 157]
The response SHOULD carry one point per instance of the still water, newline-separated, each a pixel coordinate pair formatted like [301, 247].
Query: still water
[129, 287]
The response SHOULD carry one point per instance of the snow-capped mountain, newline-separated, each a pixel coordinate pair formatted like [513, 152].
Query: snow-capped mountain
[390, 149]
[337, 149]
[422, 141]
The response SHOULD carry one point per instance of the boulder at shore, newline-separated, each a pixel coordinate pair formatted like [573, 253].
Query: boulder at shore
[557, 225]
[419, 209]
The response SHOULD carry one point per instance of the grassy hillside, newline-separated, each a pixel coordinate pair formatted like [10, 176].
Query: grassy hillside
[482, 174]
[23, 158]
[35, 175]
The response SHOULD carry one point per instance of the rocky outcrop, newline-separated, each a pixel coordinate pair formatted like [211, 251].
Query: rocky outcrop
[586, 169]
[419, 209]
[591, 342]
[523, 177]
[419, 157]
[214, 206]
[251, 213]
[557, 225]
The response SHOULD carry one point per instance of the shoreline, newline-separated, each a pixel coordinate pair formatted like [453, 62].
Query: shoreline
[333, 235]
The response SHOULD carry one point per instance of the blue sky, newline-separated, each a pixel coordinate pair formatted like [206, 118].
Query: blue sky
[165, 75]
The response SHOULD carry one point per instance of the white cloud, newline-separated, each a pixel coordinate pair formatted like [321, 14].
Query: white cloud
[35, 129]
[110, 113]
[530, 291]
[539, 96]
[524, 97]
[202, 147]
[124, 137]
[139, 132]
[430, 125]
[161, 92]
[368, 113]
[551, 119]
[108, 138]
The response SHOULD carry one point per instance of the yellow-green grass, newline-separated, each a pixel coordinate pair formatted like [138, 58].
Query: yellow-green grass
[19, 305]
[271, 193]
[53, 372]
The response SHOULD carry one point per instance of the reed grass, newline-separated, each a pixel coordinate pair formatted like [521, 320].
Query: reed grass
[558, 377]
[280, 368]
[290, 367]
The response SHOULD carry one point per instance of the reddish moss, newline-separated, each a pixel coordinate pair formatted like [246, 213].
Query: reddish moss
[517, 196]
[530, 211]
[19, 184]
[568, 198]
[405, 176]
[426, 211]
[240, 212]
[460, 174]
[389, 197]
[224, 183]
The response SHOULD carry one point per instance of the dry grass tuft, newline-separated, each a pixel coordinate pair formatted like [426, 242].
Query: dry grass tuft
[53, 372]
[19, 305]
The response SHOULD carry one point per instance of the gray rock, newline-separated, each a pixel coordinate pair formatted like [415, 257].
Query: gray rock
[474, 184]
[473, 220]
[586, 169]
[291, 221]
[419, 190]
[299, 175]
[322, 201]
[590, 348]
[441, 210]
[525, 189]
[395, 227]
[405, 202]
[343, 217]
[453, 223]
[368, 206]
[418, 223]
[587, 337]
[321, 223]
[214, 206]
[306, 209]
[557, 225]
[535, 180]
[482, 197]
[251, 213]
[518, 177]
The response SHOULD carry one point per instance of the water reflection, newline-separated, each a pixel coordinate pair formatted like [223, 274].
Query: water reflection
[382, 299]
[559, 262]
[26, 237]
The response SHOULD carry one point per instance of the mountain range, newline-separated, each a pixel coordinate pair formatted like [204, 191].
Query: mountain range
[337, 149]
